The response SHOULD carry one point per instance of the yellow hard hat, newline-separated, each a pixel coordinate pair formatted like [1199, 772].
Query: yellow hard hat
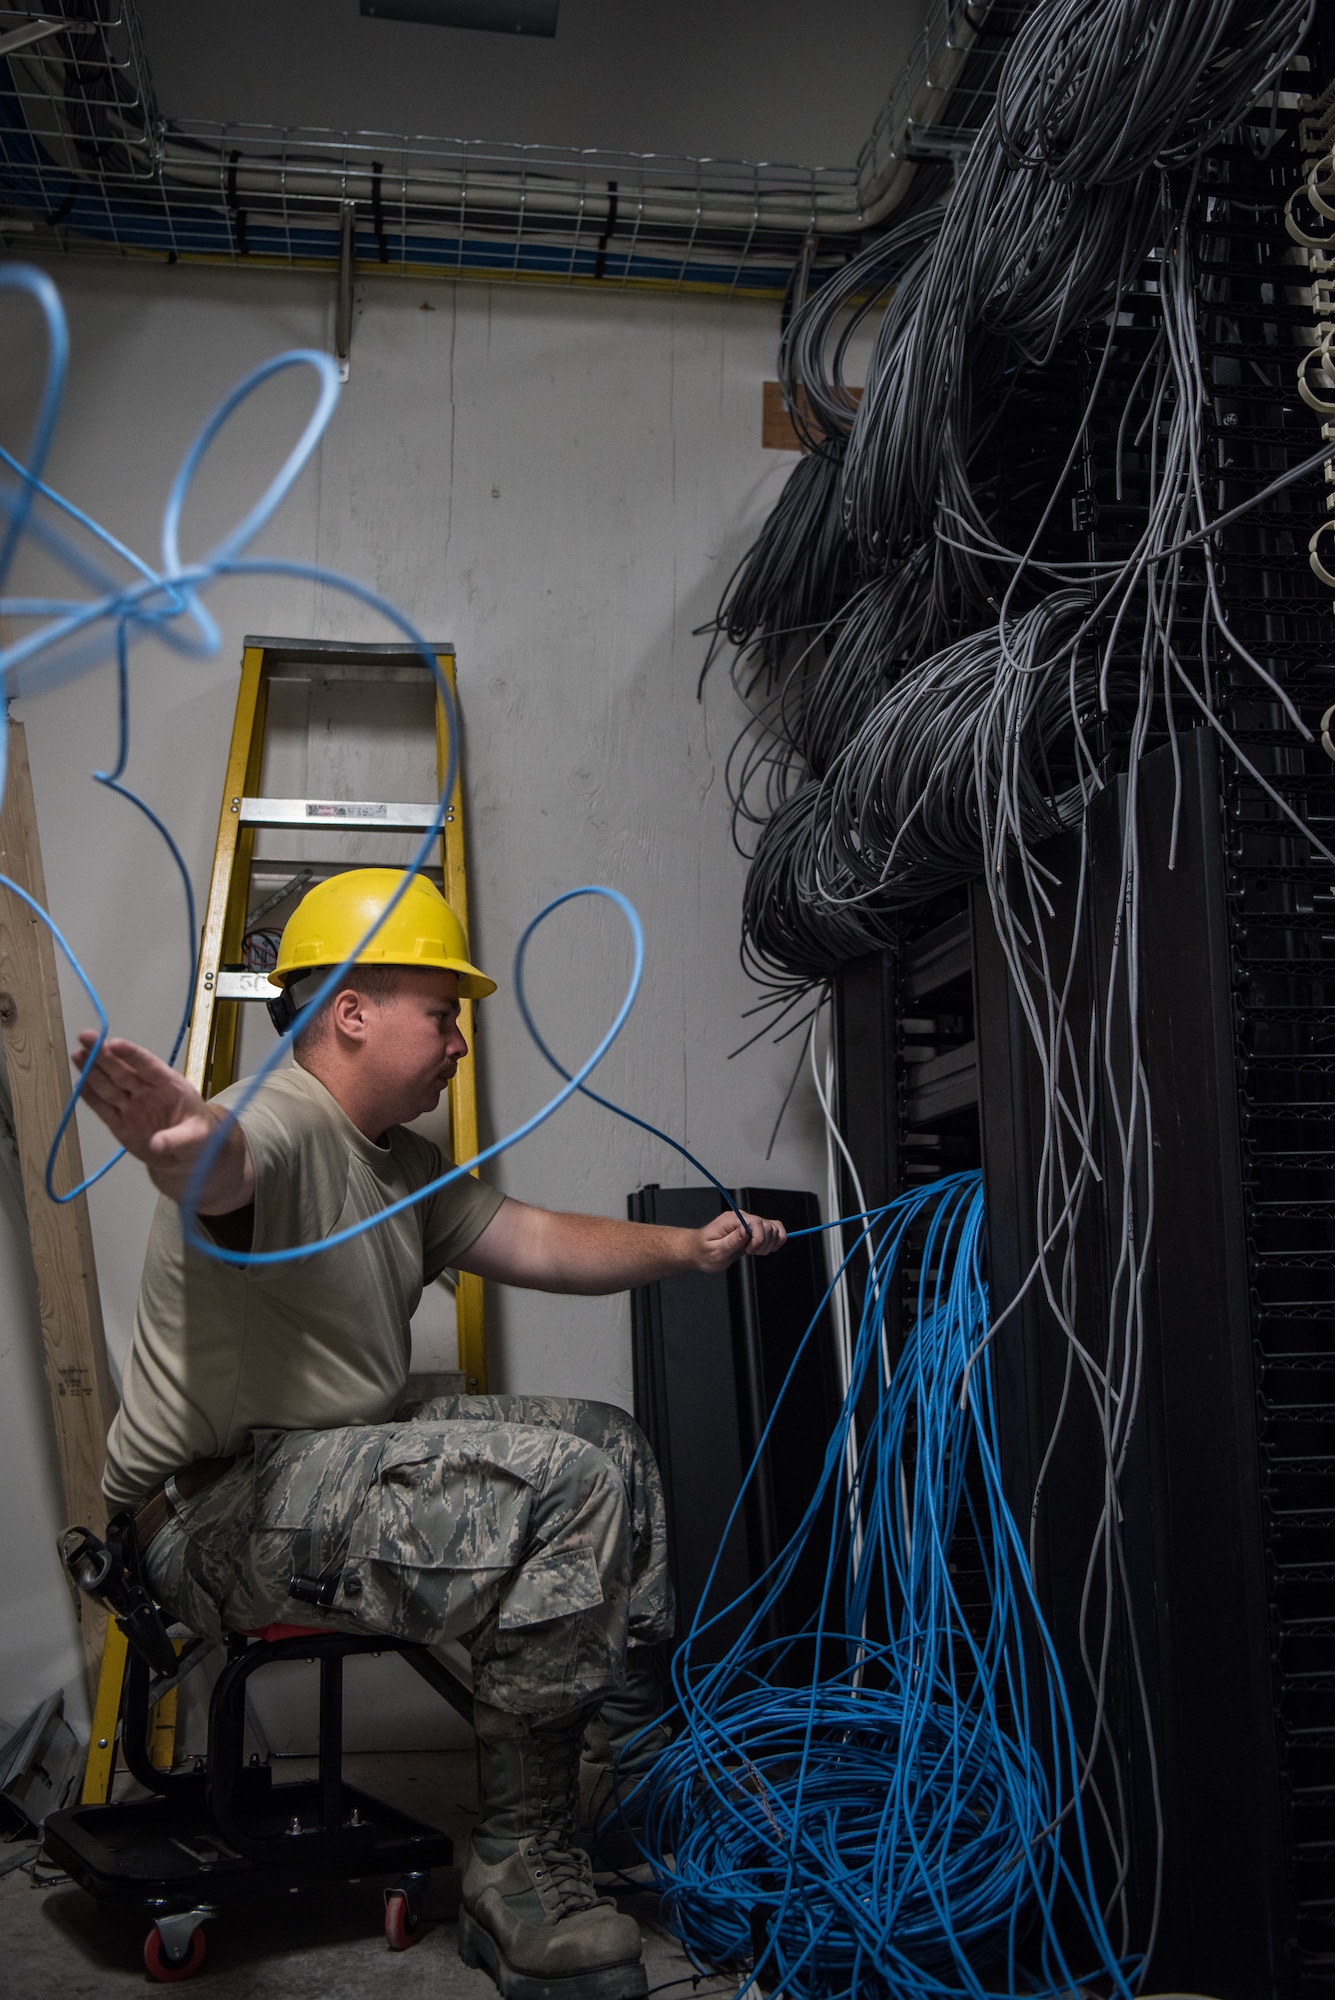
[423, 929]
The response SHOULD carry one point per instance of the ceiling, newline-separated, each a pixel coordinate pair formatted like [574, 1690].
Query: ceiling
[760, 80]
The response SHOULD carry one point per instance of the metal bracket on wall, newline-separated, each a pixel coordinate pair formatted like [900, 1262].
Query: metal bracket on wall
[347, 228]
[40, 31]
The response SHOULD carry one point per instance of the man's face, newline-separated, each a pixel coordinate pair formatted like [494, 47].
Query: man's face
[413, 1043]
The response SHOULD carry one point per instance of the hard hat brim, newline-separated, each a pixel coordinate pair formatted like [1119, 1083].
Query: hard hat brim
[473, 984]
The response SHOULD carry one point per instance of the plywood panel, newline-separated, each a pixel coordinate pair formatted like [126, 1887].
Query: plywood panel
[777, 430]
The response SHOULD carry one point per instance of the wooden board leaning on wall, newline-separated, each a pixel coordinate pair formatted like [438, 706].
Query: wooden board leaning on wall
[33, 1029]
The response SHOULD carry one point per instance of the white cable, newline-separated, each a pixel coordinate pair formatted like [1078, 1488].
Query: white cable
[837, 1264]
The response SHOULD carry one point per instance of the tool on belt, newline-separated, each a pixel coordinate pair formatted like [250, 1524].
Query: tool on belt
[112, 1570]
[109, 1571]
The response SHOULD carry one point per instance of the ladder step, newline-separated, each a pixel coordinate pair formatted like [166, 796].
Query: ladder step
[366, 815]
[244, 986]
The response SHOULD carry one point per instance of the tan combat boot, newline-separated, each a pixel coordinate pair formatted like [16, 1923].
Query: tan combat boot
[530, 1914]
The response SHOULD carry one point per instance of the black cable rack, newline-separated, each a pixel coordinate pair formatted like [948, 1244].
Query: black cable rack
[1240, 1366]
[1280, 895]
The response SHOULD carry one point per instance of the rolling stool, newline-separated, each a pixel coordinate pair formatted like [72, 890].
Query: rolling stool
[208, 1838]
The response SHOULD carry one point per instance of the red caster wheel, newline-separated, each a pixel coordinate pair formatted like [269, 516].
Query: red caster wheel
[169, 1970]
[403, 1925]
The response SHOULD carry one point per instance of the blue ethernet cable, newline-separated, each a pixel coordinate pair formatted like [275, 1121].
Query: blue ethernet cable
[887, 1821]
[157, 602]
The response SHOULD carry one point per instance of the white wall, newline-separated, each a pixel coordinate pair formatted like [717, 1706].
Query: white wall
[558, 482]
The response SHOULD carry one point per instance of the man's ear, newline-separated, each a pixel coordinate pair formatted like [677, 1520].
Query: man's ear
[347, 1010]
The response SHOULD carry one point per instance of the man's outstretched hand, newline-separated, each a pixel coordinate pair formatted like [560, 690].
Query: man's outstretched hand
[724, 1240]
[160, 1118]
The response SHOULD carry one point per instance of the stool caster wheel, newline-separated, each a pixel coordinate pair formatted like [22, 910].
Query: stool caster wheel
[403, 1912]
[176, 1955]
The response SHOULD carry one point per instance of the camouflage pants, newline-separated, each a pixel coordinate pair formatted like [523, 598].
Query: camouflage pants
[531, 1528]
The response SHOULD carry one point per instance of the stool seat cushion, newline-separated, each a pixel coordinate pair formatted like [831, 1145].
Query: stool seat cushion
[272, 1632]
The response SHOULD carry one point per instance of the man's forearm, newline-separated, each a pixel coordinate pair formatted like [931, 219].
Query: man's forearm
[589, 1254]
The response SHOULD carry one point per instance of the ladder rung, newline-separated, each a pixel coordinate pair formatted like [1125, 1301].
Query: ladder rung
[366, 815]
[244, 986]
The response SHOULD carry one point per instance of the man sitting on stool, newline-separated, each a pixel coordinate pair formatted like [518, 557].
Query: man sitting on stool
[256, 1438]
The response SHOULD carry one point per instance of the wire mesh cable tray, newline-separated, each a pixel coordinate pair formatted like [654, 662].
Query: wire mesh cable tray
[87, 158]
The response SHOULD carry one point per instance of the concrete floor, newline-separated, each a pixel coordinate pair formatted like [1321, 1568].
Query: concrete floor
[56, 1944]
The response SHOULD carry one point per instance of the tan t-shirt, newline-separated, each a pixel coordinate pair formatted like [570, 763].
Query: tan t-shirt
[219, 1351]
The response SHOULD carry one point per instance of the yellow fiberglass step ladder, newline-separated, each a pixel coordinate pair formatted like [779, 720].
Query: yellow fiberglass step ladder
[346, 720]
[349, 699]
